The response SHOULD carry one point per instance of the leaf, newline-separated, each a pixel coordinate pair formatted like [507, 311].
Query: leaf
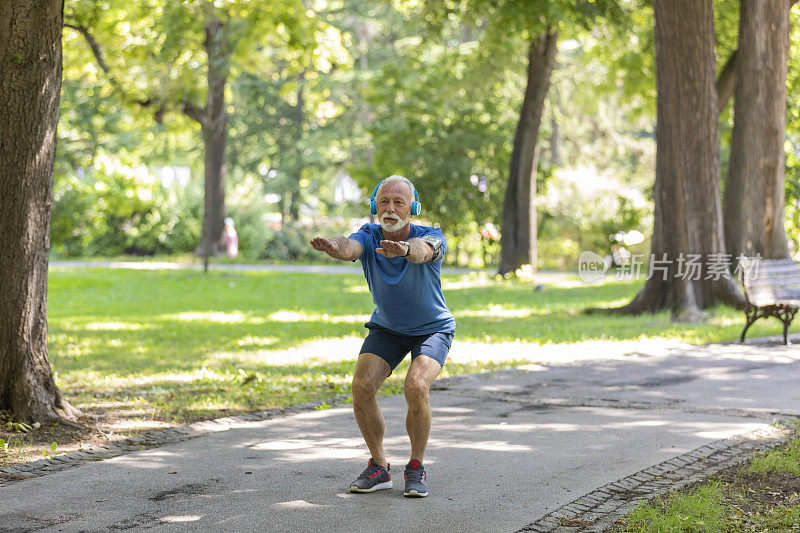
[53, 446]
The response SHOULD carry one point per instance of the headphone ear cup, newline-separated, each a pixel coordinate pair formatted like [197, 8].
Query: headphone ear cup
[416, 208]
[373, 207]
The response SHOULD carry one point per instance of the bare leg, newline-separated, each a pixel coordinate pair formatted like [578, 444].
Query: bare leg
[417, 389]
[371, 372]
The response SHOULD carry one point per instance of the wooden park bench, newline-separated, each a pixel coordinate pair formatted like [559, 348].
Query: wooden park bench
[771, 288]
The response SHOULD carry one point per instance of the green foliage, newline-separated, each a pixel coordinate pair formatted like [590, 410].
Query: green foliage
[427, 89]
[115, 208]
[792, 144]
[580, 210]
[444, 130]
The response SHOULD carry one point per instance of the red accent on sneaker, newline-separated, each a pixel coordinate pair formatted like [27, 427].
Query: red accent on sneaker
[415, 464]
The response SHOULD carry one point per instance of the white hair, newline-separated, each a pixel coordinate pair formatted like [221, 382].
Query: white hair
[395, 177]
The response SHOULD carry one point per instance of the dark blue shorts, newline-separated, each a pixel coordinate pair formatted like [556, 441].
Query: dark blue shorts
[393, 347]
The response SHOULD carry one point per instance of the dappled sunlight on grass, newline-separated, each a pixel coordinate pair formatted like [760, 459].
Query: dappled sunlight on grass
[256, 341]
[180, 345]
[454, 285]
[113, 326]
[294, 316]
[497, 311]
[214, 316]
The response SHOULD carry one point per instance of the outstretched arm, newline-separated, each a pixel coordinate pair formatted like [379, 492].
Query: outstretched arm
[340, 248]
[418, 251]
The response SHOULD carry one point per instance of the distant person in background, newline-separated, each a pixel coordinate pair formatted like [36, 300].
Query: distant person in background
[402, 263]
[231, 238]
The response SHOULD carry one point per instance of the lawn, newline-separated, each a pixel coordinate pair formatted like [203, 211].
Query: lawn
[178, 346]
[144, 349]
[762, 495]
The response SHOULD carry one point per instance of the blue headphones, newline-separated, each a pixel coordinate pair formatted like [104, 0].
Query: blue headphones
[416, 207]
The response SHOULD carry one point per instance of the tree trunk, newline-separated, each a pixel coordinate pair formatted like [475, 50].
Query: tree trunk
[214, 129]
[30, 59]
[726, 82]
[754, 190]
[688, 216]
[518, 238]
[555, 143]
[296, 168]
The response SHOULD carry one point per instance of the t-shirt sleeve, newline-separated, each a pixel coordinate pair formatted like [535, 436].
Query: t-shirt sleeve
[362, 236]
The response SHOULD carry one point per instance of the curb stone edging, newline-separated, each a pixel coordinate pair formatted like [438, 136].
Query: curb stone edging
[603, 507]
[152, 439]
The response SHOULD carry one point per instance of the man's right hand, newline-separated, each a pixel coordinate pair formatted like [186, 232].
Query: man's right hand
[321, 244]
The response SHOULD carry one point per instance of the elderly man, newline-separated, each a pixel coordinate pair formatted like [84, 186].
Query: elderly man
[402, 263]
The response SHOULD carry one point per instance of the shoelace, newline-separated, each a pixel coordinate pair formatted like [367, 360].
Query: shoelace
[371, 469]
[414, 474]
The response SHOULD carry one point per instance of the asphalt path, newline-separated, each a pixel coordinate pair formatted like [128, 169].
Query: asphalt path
[506, 449]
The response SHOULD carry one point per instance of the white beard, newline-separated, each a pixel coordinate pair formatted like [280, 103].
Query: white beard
[391, 226]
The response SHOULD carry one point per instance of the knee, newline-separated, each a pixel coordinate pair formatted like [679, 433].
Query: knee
[363, 390]
[416, 390]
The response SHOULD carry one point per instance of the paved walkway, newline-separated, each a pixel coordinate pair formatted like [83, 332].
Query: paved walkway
[560, 445]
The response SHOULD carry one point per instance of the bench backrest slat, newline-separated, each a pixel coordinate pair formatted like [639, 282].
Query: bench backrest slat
[772, 281]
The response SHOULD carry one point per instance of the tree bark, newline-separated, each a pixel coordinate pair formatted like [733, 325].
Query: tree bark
[214, 127]
[726, 82]
[518, 237]
[754, 190]
[687, 216]
[30, 60]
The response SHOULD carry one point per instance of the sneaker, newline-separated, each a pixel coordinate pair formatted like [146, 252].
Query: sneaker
[415, 480]
[375, 477]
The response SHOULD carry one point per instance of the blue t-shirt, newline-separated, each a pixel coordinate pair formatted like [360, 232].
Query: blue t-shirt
[408, 296]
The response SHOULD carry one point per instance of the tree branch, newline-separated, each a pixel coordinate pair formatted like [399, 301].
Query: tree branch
[93, 44]
[192, 111]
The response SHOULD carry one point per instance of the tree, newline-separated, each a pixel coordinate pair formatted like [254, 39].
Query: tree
[687, 216]
[518, 241]
[438, 116]
[754, 189]
[294, 136]
[158, 46]
[30, 59]
[538, 23]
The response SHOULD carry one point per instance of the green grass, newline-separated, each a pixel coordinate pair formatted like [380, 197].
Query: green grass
[183, 345]
[785, 460]
[701, 510]
[760, 496]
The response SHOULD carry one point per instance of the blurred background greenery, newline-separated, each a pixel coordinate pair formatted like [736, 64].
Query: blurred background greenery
[325, 101]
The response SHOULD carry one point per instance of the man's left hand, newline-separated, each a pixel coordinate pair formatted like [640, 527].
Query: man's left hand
[392, 249]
